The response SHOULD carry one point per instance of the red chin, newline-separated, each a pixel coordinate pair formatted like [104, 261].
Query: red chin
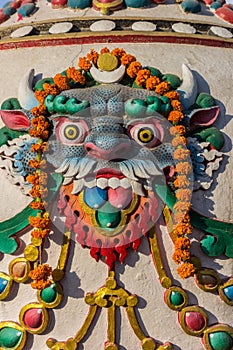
[107, 173]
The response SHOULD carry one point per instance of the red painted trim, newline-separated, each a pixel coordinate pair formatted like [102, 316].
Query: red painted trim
[127, 38]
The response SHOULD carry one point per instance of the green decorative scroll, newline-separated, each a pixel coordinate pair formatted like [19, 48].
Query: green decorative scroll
[212, 135]
[220, 238]
[8, 228]
[8, 134]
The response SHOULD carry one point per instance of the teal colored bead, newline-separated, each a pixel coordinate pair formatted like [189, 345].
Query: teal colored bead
[228, 291]
[137, 3]
[3, 284]
[192, 6]
[79, 4]
[9, 10]
[49, 294]
[176, 298]
[26, 10]
[9, 337]
[221, 341]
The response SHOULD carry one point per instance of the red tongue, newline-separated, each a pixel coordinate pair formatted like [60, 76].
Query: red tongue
[120, 197]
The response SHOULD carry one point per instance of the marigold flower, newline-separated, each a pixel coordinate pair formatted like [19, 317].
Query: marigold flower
[42, 272]
[183, 168]
[33, 179]
[37, 205]
[178, 129]
[33, 163]
[181, 181]
[40, 222]
[35, 191]
[182, 229]
[43, 134]
[39, 110]
[142, 77]
[104, 50]
[75, 75]
[41, 95]
[127, 59]
[179, 141]
[182, 243]
[182, 206]
[186, 270]
[175, 117]
[178, 217]
[51, 89]
[40, 284]
[40, 147]
[133, 69]
[93, 56]
[177, 106]
[180, 255]
[181, 153]
[84, 63]
[184, 194]
[39, 233]
[162, 87]
[118, 52]
[61, 81]
[151, 82]
[173, 95]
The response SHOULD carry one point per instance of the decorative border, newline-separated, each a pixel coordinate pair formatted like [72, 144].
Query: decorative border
[118, 37]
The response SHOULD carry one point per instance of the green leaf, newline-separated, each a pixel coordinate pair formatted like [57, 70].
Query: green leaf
[219, 239]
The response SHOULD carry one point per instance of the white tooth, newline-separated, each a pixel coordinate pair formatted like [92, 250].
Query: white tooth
[67, 180]
[90, 183]
[102, 183]
[78, 185]
[137, 188]
[114, 182]
[125, 183]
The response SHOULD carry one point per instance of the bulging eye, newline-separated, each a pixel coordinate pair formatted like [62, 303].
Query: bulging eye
[145, 135]
[149, 135]
[71, 133]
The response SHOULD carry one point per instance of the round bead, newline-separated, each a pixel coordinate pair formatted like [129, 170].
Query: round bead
[49, 294]
[176, 298]
[195, 321]
[221, 341]
[9, 337]
[33, 318]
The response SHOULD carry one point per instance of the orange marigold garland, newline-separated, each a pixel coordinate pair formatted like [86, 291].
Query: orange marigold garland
[182, 226]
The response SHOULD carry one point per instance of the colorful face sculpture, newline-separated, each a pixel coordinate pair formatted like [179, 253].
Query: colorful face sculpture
[127, 145]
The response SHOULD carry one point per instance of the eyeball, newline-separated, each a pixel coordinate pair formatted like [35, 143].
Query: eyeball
[71, 133]
[147, 134]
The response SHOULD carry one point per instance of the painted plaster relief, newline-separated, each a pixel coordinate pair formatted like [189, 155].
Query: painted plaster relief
[110, 153]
